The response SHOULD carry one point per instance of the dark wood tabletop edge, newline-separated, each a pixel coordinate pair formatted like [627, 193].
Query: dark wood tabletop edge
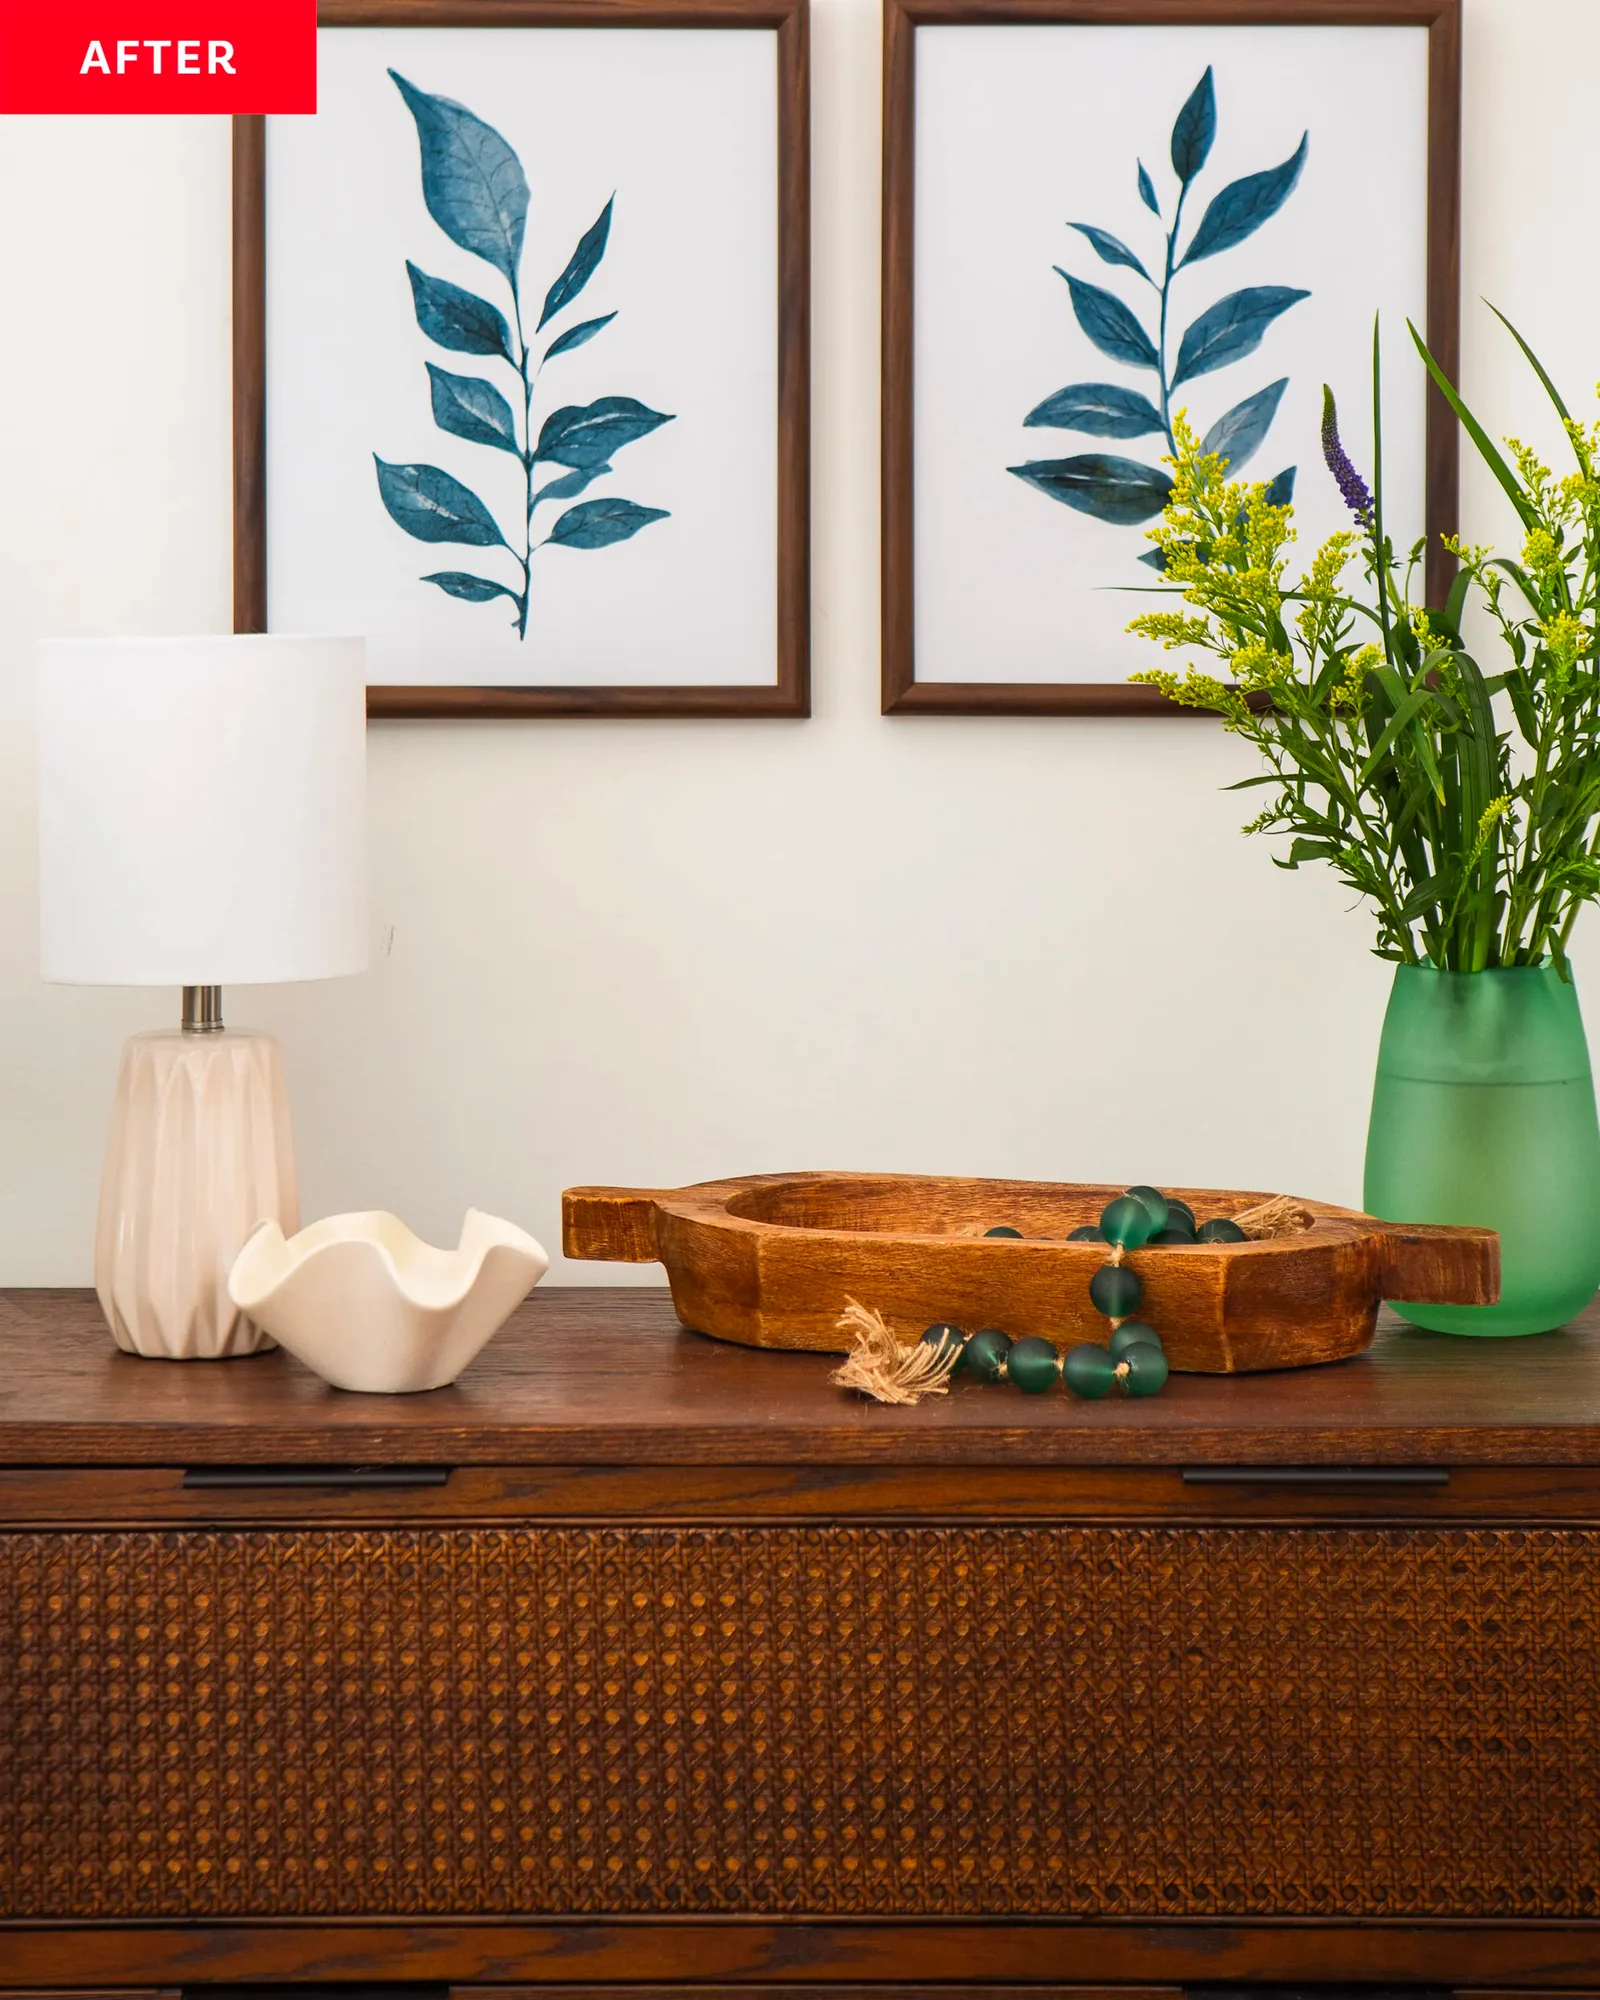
[64, 1447]
[606, 1378]
[759, 1952]
[1154, 1923]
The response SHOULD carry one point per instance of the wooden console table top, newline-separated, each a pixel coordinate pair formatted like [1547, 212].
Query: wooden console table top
[607, 1376]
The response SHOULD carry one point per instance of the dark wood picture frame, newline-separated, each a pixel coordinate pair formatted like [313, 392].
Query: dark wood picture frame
[903, 693]
[790, 693]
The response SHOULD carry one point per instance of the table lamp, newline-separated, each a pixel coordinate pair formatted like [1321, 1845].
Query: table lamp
[202, 808]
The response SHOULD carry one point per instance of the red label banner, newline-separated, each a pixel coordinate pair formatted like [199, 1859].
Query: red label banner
[158, 55]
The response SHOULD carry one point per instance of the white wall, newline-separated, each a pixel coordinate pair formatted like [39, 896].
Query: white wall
[656, 952]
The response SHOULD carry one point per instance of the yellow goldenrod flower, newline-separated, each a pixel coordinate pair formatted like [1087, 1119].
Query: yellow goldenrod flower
[1541, 553]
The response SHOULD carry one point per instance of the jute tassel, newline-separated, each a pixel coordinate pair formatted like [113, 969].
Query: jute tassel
[881, 1368]
[1282, 1216]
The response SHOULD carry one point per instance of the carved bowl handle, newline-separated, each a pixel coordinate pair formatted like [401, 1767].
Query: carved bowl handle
[1438, 1266]
[610, 1224]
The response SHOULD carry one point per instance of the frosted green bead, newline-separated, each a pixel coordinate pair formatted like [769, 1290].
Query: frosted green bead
[1032, 1364]
[1086, 1232]
[1132, 1333]
[1173, 1234]
[1004, 1229]
[1155, 1201]
[1115, 1291]
[1089, 1371]
[984, 1352]
[946, 1338]
[1220, 1230]
[1147, 1369]
[1179, 1212]
[1127, 1221]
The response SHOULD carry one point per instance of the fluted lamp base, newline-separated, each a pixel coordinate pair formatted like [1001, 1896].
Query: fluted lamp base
[199, 1153]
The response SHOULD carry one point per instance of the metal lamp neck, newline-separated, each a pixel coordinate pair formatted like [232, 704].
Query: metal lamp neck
[202, 1010]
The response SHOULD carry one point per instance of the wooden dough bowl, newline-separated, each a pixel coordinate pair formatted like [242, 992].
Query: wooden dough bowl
[771, 1260]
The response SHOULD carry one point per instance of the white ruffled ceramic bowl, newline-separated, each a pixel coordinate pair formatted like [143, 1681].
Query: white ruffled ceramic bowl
[368, 1305]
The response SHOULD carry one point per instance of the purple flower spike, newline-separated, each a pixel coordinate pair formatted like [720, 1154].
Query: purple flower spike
[1351, 484]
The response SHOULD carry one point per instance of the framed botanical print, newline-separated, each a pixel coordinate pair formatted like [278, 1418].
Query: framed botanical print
[520, 326]
[1100, 214]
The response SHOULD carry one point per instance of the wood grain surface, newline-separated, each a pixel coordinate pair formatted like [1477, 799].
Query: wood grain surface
[770, 1260]
[655, 1495]
[1305, 1957]
[249, 374]
[586, 1376]
[902, 692]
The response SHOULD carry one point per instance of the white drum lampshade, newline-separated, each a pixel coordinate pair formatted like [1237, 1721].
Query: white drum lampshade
[202, 822]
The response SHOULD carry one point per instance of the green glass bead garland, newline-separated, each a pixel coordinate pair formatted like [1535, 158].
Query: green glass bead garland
[1132, 1359]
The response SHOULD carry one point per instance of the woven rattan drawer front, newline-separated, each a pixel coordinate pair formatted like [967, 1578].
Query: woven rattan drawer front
[854, 1720]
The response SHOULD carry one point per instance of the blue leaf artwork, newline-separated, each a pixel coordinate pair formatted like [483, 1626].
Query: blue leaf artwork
[1121, 490]
[1110, 324]
[1231, 329]
[1237, 432]
[575, 336]
[472, 589]
[1147, 190]
[1194, 130]
[597, 523]
[580, 268]
[472, 182]
[1243, 206]
[474, 188]
[457, 319]
[1126, 492]
[1103, 409]
[588, 436]
[1108, 248]
[471, 408]
[434, 507]
[570, 484]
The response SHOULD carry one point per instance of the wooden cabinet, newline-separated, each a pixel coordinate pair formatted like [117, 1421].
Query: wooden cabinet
[862, 1721]
[639, 1662]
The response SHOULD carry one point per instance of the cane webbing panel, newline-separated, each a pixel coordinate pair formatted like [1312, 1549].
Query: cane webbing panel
[857, 1721]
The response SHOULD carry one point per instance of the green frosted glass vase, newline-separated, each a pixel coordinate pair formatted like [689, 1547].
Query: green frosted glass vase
[1483, 1112]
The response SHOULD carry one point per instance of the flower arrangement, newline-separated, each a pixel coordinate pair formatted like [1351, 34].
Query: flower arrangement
[1462, 805]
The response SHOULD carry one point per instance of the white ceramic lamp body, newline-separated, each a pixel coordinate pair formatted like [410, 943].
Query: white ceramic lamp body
[202, 808]
[199, 1152]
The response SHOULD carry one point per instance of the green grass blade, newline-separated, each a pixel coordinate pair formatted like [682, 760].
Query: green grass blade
[1379, 549]
[1423, 898]
[1456, 602]
[1479, 436]
[1423, 746]
[1417, 699]
[1534, 362]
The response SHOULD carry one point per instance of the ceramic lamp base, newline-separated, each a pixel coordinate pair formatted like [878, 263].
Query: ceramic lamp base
[199, 1153]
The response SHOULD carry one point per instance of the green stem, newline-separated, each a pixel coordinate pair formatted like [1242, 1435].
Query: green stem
[1380, 556]
[1161, 345]
[526, 558]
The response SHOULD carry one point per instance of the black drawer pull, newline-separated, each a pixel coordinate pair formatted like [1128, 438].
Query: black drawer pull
[362, 1990]
[201, 1478]
[366, 1989]
[1349, 1477]
[1343, 1991]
